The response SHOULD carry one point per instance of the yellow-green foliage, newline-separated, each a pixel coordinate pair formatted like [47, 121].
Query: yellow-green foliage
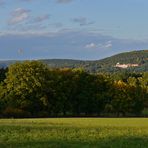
[74, 132]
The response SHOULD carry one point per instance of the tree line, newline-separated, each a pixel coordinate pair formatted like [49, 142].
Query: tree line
[32, 89]
[107, 64]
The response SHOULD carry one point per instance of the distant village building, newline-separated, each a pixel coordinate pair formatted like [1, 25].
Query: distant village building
[126, 65]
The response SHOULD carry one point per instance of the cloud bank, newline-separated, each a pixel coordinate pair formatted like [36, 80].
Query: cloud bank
[64, 44]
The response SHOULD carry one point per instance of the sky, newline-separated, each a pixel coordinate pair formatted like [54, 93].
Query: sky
[71, 29]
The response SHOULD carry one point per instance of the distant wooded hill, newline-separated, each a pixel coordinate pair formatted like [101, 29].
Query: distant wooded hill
[104, 65]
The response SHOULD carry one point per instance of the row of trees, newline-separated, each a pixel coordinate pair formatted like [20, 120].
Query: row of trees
[31, 89]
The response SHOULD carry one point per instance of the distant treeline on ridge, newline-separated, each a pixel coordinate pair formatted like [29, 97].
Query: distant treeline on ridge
[139, 58]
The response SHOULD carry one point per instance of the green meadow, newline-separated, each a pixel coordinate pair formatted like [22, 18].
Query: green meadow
[74, 133]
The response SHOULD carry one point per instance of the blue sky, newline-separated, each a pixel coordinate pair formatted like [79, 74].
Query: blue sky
[73, 29]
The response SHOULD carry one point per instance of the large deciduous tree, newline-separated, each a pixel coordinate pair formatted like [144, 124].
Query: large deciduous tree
[27, 86]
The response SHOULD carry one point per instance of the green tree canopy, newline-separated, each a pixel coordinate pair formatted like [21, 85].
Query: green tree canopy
[28, 86]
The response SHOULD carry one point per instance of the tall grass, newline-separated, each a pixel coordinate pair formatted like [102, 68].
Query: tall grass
[74, 132]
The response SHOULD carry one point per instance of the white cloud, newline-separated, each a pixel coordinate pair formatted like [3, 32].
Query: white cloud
[91, 45]
[24, 33]
[107, 44]
[18, 16]
[20, 51]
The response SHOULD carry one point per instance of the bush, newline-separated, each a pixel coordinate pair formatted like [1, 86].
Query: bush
[15, 113]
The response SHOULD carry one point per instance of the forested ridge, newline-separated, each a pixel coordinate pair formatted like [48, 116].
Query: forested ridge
[104, 65]
[32, 89]
[107, 64]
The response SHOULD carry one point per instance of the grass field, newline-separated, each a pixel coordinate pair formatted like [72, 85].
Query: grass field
[74, 132]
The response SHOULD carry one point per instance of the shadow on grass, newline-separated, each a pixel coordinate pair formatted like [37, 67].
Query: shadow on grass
[134, 142]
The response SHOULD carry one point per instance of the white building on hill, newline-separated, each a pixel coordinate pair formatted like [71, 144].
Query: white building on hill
[126, 65]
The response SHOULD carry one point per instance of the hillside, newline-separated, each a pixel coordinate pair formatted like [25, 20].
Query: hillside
[107, 64]
[134, 57]
[104, 65]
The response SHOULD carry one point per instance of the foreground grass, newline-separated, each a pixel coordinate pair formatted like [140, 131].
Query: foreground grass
[74, 132]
